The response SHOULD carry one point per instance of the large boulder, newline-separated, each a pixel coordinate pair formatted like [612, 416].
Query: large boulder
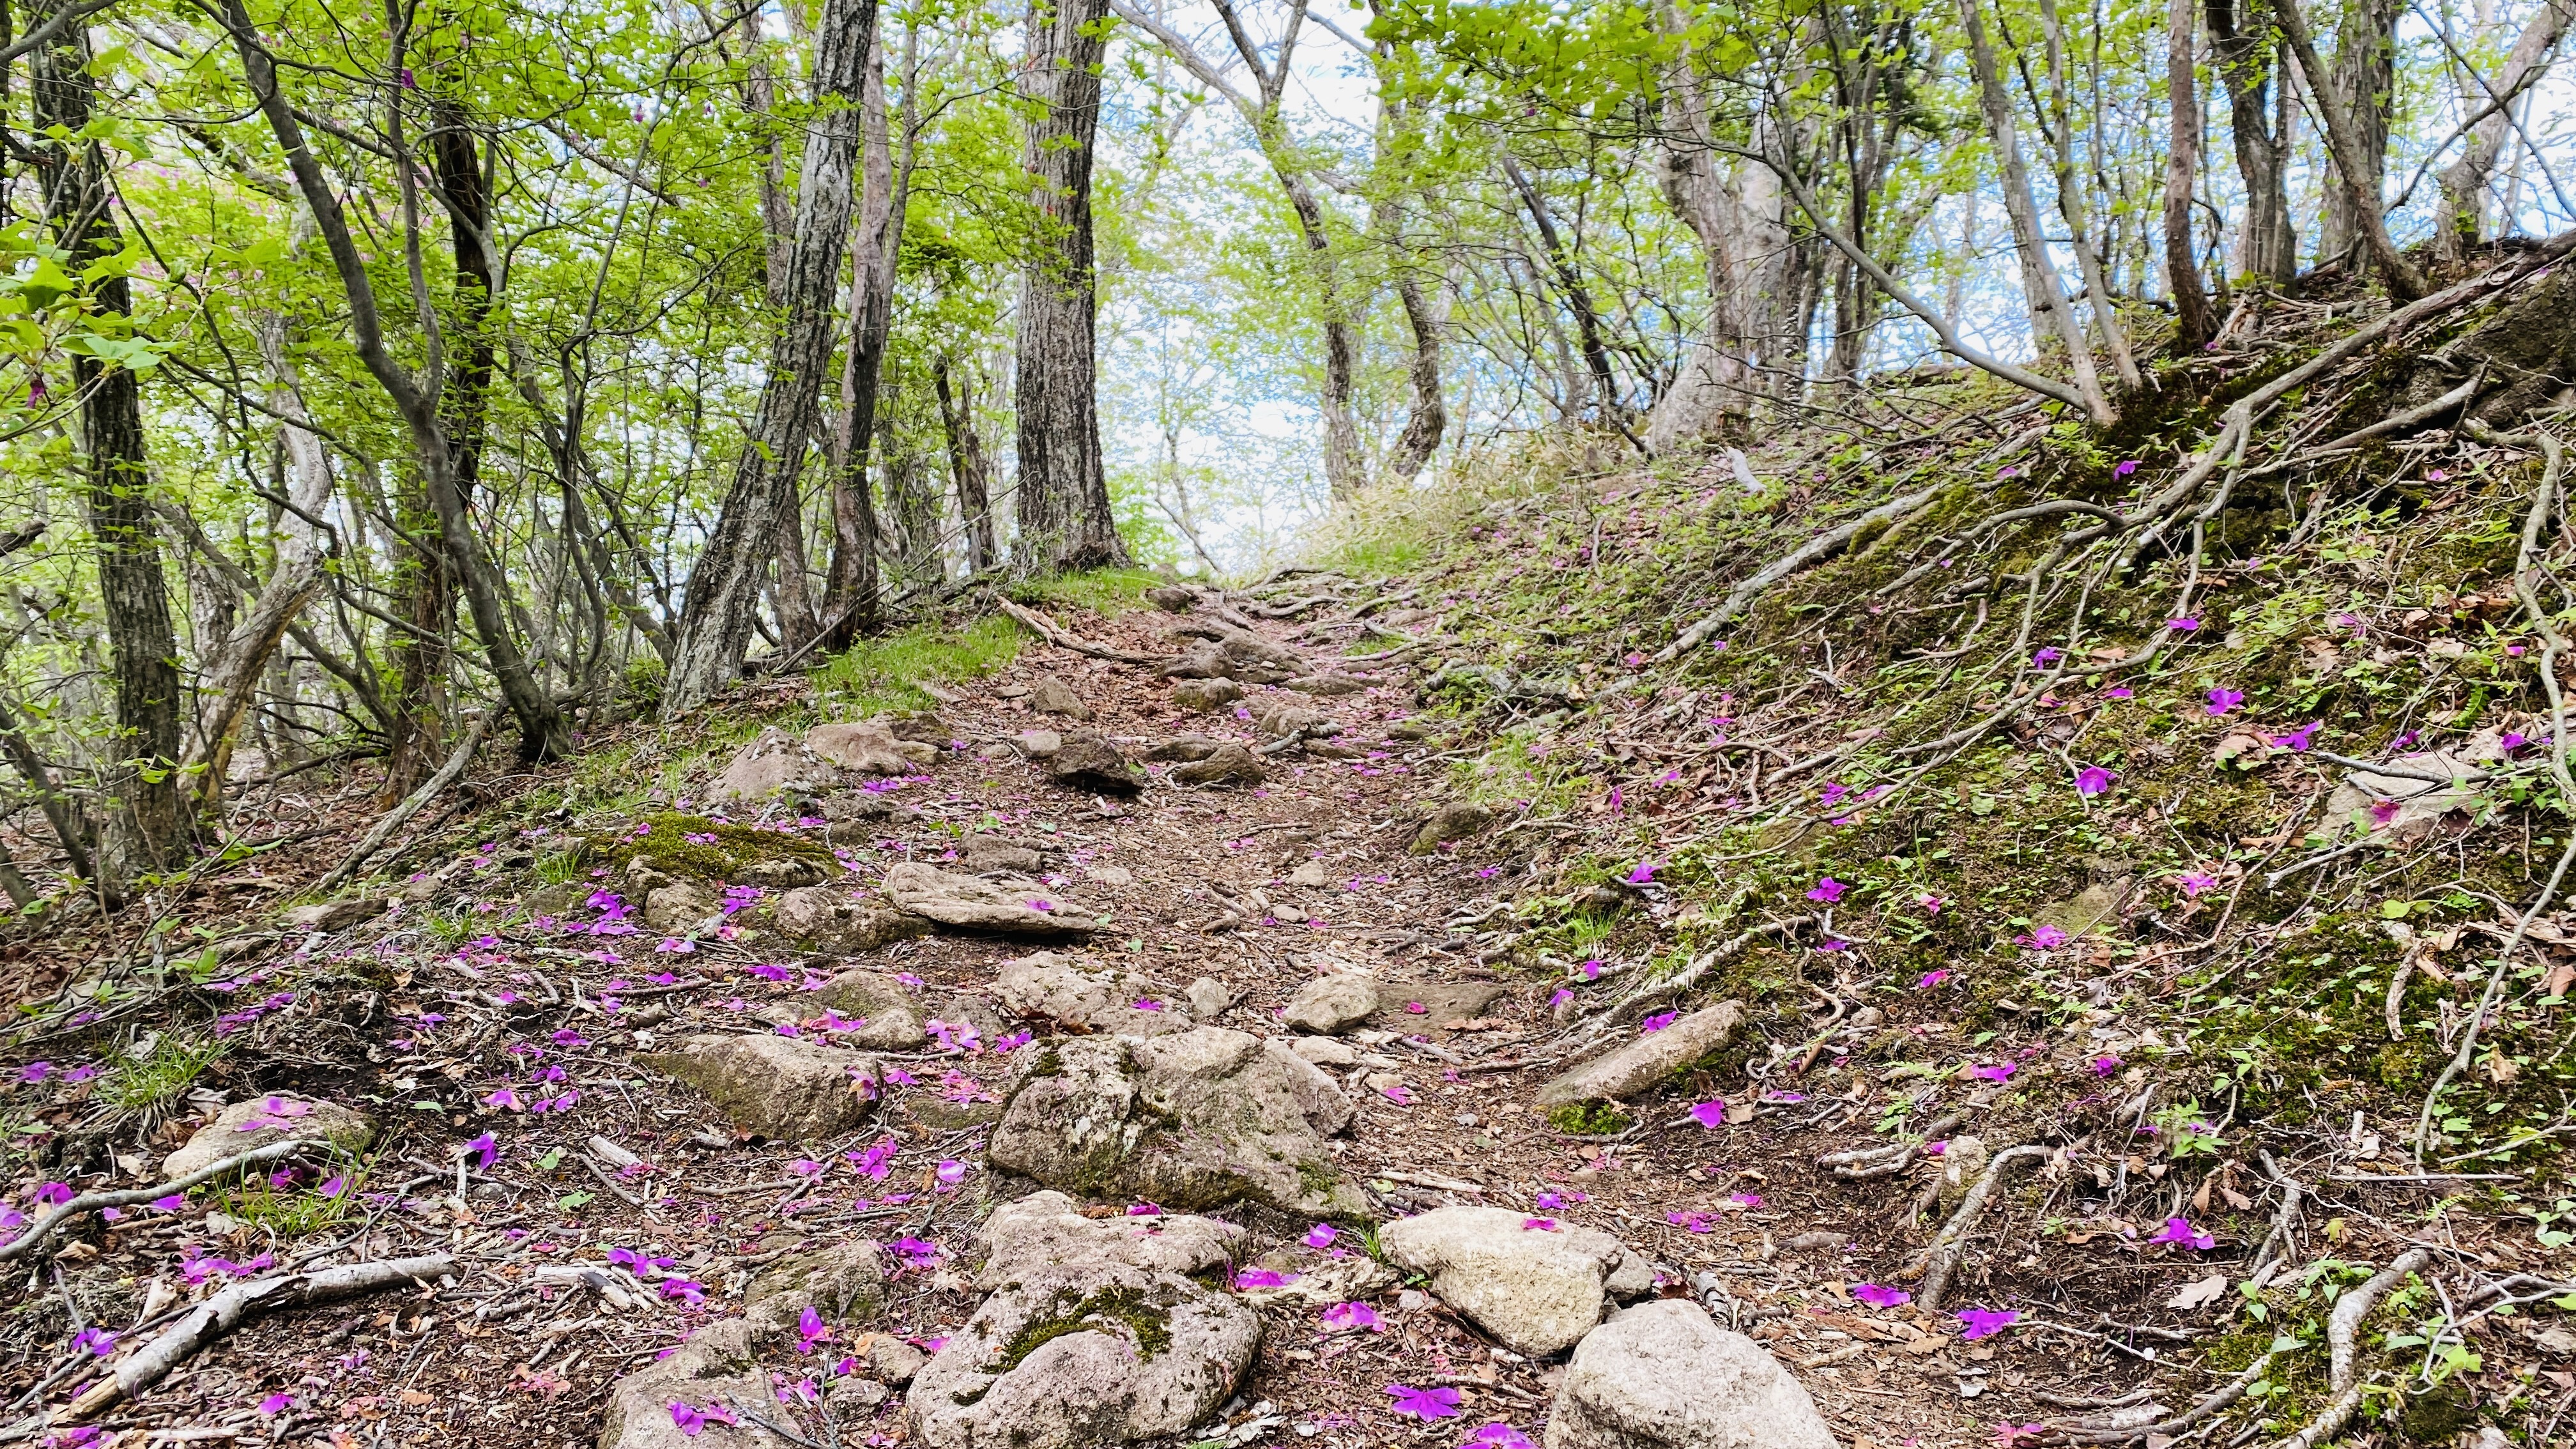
[1329, 1005]
[1084, 1356]
[269, 1118]
[894, 1017]
[1663, 1375]
[973, 904]
[868, 747]
[1195, 1119]
[775, 1086]
[717, 1366]
[1653, 1058]
[1089, 761]
[829, 918]
[773, 762]
[1046, 1231]
[1537, 1288]
[1083, 995]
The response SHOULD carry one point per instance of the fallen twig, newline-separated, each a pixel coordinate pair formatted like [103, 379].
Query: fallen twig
[1942, 1258]
[92, 1201]
[2343, 1372]
[1055, 634]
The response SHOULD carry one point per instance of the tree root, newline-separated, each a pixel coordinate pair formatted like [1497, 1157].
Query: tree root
[2343, 1372]
[1860, 1164]
[1948, 1245]
[91, 1201]
[232, 1307]
[2227, 1394]
[1055, 634]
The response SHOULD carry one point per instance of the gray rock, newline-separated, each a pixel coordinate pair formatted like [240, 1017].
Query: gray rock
[771, 763]
[1195, 1119]
[1084, 1357]
[1085, 995]
[2421, 804]
[679, 907]
[1326, 684]
[998, 852]
[893, 1015]
[1050, 695]
[1227, 765]
[1457, 820]
[1648, 1061]
[716, 1366]
[1110, 875]
[1209, 998]
[1201, 696]
[827, 918]
[1185, 747]
[894, 1360]
[1324, 1051]
[1172, 598]
[778, 1087]
[970, 903]
[1038, 744]
[1537, 1290]
[1046, 1230]
[1662, 1375]
[1282, 720]
[844, 1284]
[867, 747]
[336, 915]
[1329, 1005]
[1318, 1282]
[1094, 762]
[843, 806]
[1313, 875]
[271, 1117]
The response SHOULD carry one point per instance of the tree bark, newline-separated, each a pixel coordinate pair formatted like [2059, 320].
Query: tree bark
[1587, 318]
[2464, 182]
[2365, 76]
[1064, 512]
[1398, 141]
[875, 253]
[147, 828]
[724, 588]
[2070, 205]
[2358, 177]
[1737, 212]
[2050, 315]
[967, 469]
[2243, 50]
[2194, 320]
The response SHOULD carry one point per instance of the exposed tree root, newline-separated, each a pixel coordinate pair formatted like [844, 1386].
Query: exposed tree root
[1948, 1245]
[1055, 634]
[92, 1201]
[2343, 1371]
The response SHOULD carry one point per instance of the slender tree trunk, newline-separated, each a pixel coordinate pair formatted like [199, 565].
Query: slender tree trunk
[1398, 140]
[1587, 318]
[967, 469]
[876, 250]
[2464, 181]
[2354, 170]
[147, 828]
[2243, 50]
[2194, 322]
[2070, 205]
[1740, 216]
[2050, 315]
[724, 588]
[2365, 75]
[1064, 513]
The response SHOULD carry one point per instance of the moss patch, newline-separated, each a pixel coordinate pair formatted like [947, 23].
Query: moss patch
[1147, 1322]
[694, 845]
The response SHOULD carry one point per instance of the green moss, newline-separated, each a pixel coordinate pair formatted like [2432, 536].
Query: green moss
[665, 837]
[1147, 1322]
[1588, 1119]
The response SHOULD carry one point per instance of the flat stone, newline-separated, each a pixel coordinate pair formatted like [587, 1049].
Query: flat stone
[1538, 1290]
[1085, 995]
[1094, 762]
[1050, 695]
[867, 747]
[716, 1366]
[830, 918]
[1202, 696]
[771, 763]
[1457, 820]
[1332, 1004]
[974, 904]
[844, 1284]
[336, 915]
[268, 1118]
[2413, 808]
[1192, 1120]
[1663, 1375]
[1282, 720]
[1227, 765]
[998, 852]
[1326, 684]
[1650, 1060]
[1046, 1230]
[1325, 1051]
[1313, 875]
[1038, 744]
[1441, 1002]
[1110, 875]
[1185, 747]
[778, 1087]
[893, 1015]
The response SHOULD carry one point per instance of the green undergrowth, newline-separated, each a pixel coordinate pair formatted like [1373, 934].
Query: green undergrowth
[1102, 591]
[694, 845]
[884, 675]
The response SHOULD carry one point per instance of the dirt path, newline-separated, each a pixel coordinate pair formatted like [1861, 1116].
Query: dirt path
[1260, 890]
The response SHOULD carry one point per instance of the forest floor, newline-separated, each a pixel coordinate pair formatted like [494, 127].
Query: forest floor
[2210, 987]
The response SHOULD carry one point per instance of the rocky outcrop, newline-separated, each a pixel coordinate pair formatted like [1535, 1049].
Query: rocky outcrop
[1195, 1119]
[1083, 995]
[1535, 1283]
[772, 763]
[973, 904]
[1046, 1231]
[1329, 1005]
[775, 1086]
[867, 747]
[664, 1405]
[1651, 1059]
[1663, 1375]
[829, 918]
[271, 1117]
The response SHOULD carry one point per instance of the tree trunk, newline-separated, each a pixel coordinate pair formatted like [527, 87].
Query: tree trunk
[147, 829]
[1741, 220]
[2194, 322]
[2070, 205]
[874, 255]
[2464, 182]
[2357, 173]
[2365, 74]
[1398, 140]
[1587, 318]
[967, 469]
[233, 681]
[724, 588]
[2050, 315]
[1064, 513]
[2269, 248]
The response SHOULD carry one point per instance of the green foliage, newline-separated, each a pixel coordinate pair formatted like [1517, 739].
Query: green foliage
[883, 675]
[152, 1085]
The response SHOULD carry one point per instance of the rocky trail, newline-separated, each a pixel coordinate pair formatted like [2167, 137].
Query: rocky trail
[1107, 1059]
